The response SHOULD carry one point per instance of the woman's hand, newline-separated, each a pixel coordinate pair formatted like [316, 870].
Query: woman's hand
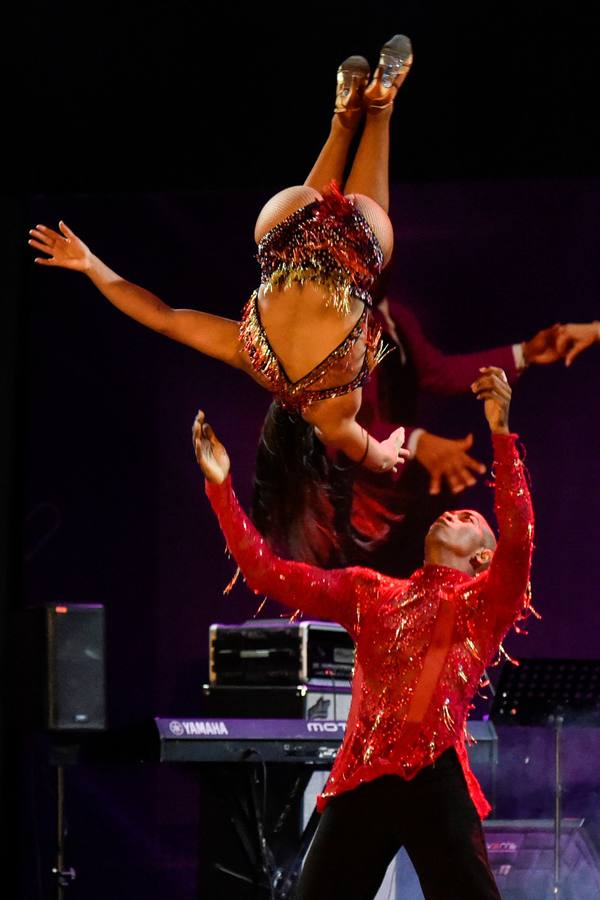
[211, 454]
[393, 451]
[65, 250]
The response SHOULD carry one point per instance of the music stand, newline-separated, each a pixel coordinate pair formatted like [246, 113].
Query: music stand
[554, 693]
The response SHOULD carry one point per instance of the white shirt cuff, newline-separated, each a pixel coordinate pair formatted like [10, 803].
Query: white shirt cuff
[519, 357]
[411, 444]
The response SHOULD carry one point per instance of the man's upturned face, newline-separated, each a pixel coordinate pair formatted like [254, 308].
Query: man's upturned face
[460, 531]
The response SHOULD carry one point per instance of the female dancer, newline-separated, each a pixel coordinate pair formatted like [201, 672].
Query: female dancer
[307, 333]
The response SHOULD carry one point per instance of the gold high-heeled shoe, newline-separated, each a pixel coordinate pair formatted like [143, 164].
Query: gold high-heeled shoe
[352, 78]
[393, 67]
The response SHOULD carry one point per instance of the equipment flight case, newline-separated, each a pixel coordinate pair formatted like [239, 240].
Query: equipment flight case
[279, 652]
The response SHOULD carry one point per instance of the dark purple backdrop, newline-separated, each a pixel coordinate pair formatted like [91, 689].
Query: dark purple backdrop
[114, 510]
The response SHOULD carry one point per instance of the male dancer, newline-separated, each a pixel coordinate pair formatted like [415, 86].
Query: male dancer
[401, 776]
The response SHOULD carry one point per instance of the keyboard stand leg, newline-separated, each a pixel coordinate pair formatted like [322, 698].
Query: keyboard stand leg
[285, 887]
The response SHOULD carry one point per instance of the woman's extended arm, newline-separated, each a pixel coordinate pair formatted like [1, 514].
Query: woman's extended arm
[335, 424]
[213, 335]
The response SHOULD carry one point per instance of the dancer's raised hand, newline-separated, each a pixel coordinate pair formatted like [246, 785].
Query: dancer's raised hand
[211, 454]
[493, 388]
[64, 249]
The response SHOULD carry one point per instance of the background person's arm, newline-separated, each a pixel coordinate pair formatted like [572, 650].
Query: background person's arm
[441, 373]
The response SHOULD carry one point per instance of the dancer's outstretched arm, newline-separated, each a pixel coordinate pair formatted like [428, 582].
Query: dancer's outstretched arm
[505, 584]
[335, 424]
[335, 594]
[213, 335]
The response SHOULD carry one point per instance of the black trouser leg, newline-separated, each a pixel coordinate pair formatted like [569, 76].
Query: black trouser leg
[352, 848]
[432, 815]
[445, 840]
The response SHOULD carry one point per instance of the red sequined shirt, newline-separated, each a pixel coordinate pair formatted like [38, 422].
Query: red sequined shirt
[422, 644]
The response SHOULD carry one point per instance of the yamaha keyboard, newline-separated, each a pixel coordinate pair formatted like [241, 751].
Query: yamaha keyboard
[271, 740]
[248, 740]
[223, 740]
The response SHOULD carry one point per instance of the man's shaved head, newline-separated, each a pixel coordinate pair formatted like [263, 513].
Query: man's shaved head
[462, 539]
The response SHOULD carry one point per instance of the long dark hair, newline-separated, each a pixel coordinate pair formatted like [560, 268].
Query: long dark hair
[303, 496]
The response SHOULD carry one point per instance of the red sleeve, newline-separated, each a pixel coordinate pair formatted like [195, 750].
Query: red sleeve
[504, 593]
[332, 594]
[441, 373]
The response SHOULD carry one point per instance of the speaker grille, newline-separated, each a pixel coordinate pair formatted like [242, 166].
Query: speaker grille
[73, 686]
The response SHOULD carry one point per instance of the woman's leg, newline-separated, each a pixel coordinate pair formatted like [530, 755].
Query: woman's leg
[331, 162]
[329, 166]
[369, 174]
[352, 77]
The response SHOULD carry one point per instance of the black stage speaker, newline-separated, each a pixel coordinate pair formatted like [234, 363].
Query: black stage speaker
[521, 853]
[65, 666]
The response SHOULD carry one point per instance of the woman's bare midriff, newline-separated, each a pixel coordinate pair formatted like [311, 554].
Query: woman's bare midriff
[303, 330]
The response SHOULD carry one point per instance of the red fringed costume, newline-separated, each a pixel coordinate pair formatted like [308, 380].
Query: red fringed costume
[422, 644]
[328, 242]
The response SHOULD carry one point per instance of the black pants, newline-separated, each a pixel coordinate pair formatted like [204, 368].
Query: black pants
[432, 816]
